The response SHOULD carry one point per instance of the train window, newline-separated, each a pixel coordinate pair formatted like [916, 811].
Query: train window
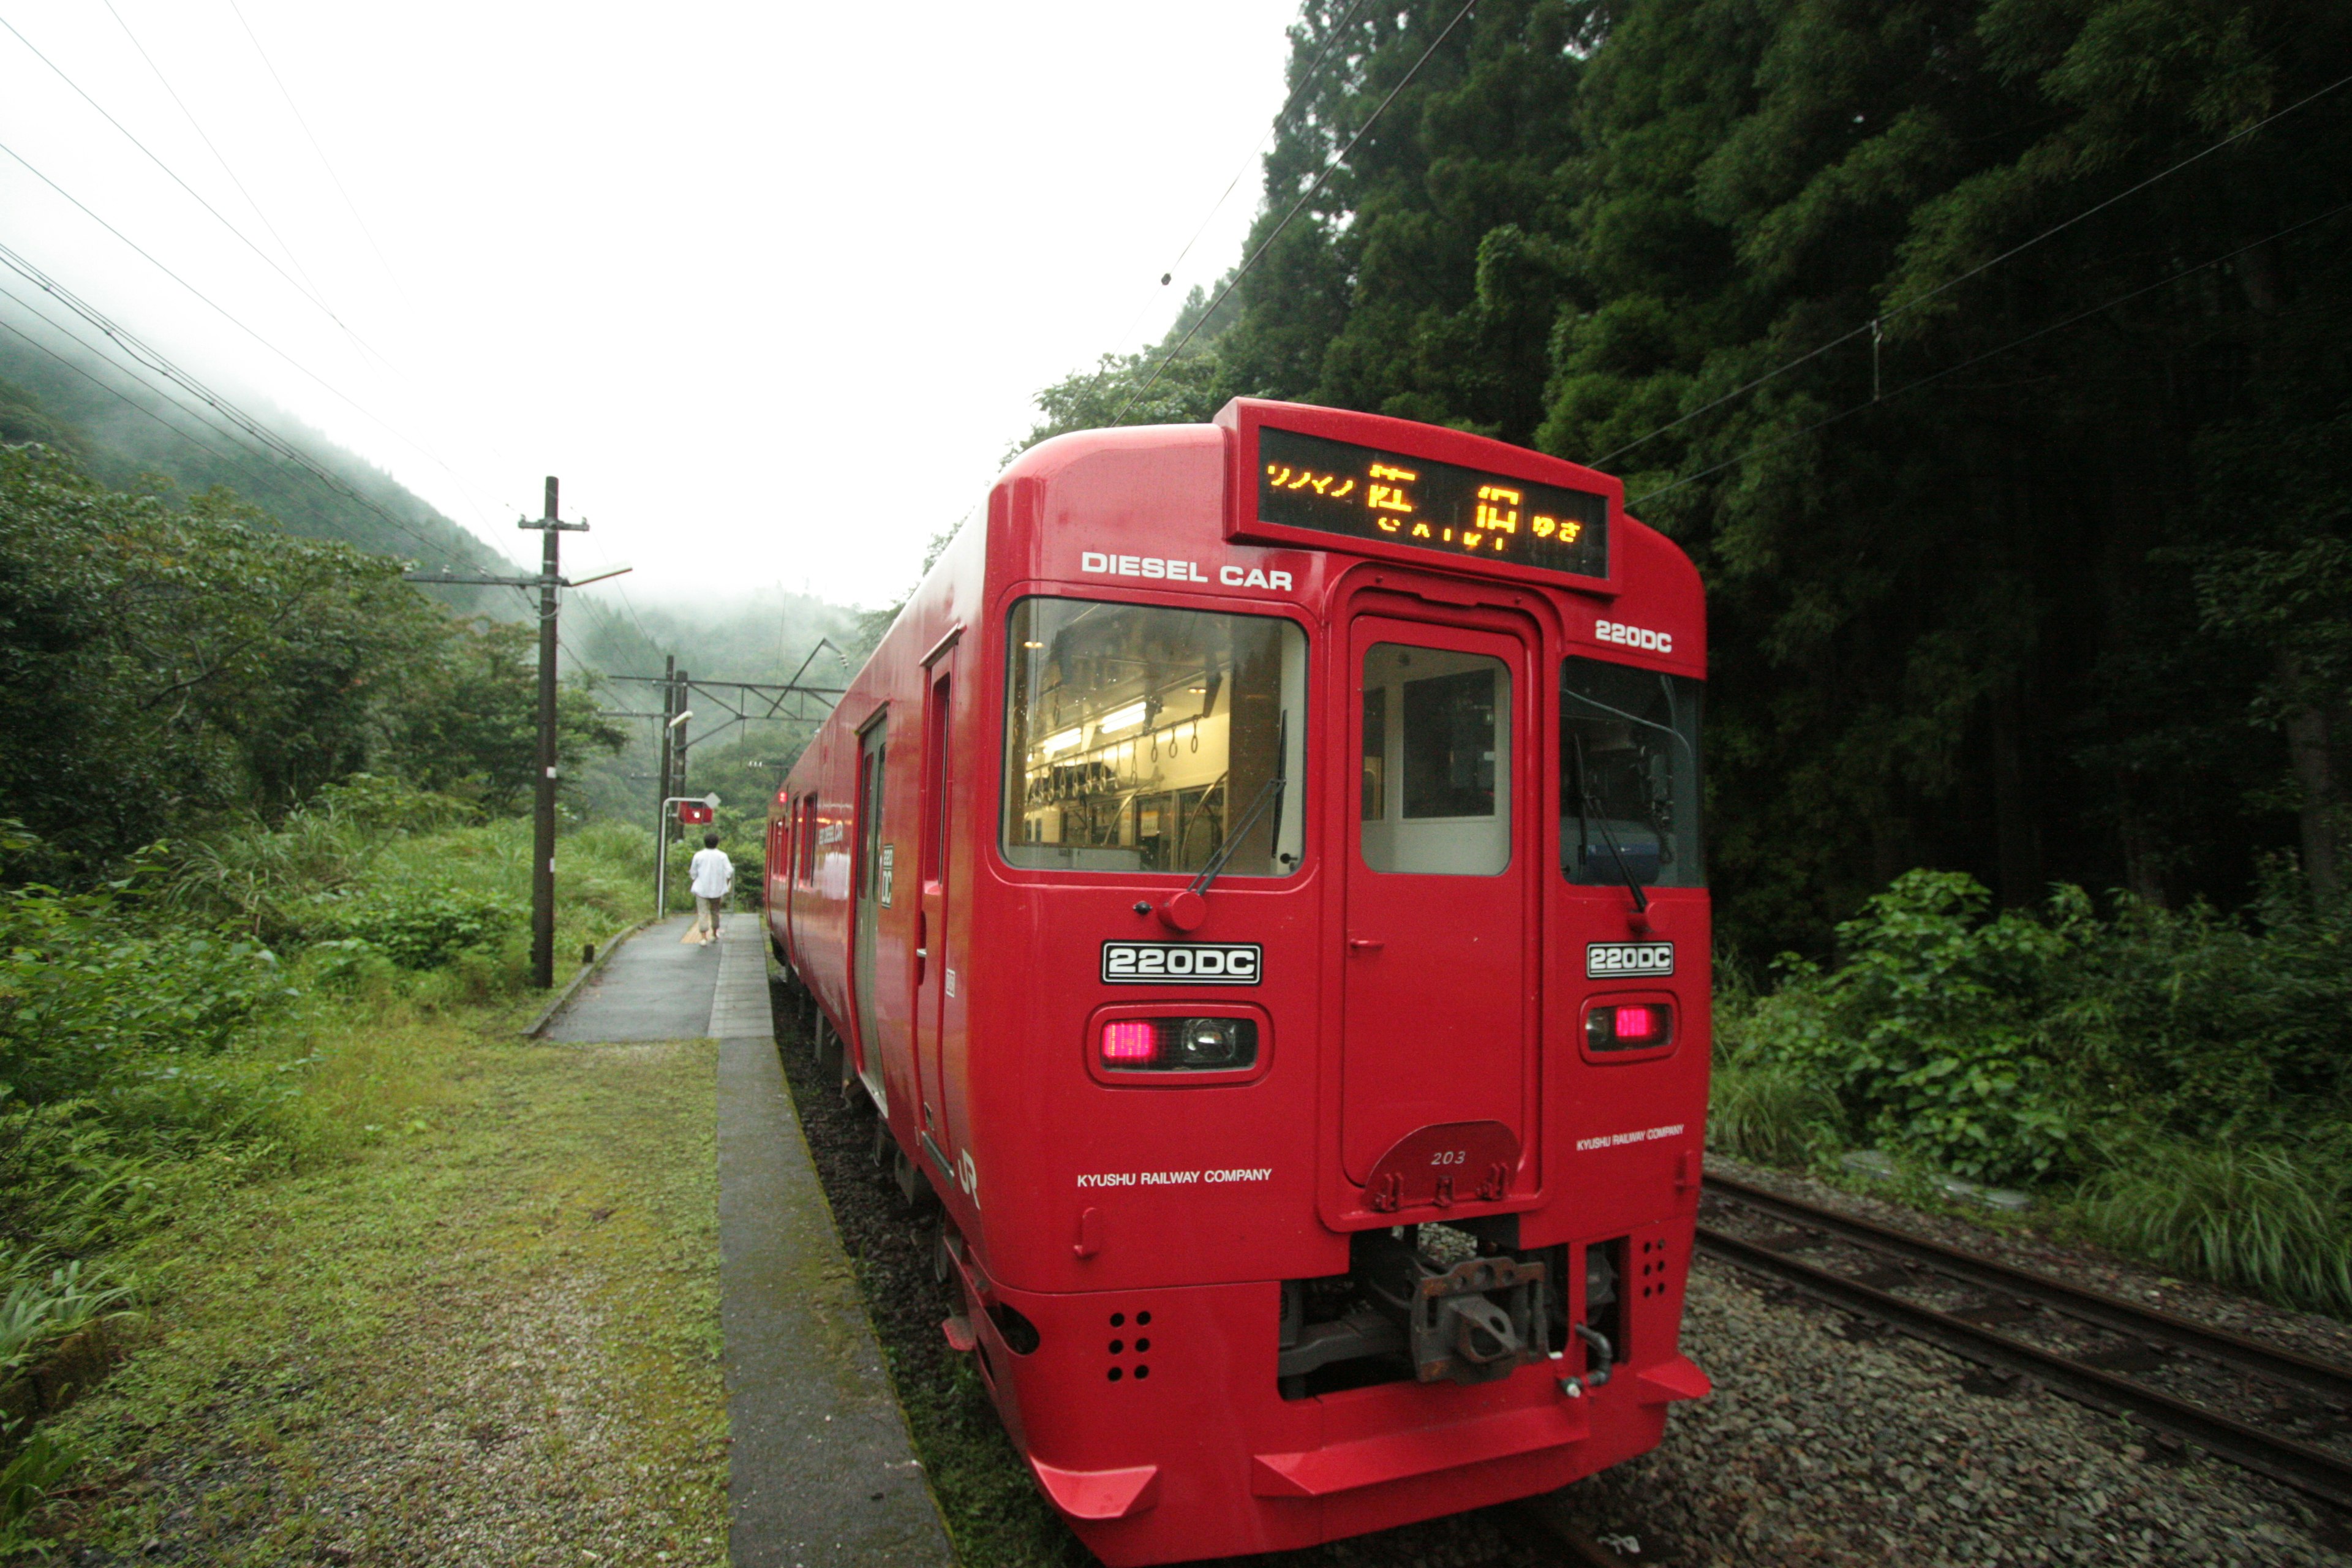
[1436, 736]
[1629, 776]
[1136, 738]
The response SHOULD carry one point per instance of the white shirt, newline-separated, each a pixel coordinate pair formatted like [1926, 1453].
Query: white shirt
[713, 873]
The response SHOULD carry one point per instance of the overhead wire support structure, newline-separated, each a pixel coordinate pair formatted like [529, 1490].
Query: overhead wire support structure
[549, 582]
[737, 699]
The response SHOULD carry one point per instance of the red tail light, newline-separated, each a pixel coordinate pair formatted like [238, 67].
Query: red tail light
[1130, 1043]
[1629, 1025]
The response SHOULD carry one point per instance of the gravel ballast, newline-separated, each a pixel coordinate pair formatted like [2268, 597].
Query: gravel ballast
[1825, 1442]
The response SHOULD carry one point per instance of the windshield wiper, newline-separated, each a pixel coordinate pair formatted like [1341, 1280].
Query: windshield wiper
[1184, 911]
[1591, 807]
[1268, 794]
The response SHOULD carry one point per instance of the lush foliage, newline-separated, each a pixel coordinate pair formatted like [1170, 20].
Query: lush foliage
[159, 1034]
[2016, 1047]
[161, 666]
[1930, 1033]
[2015, 457]
[2182, 1082]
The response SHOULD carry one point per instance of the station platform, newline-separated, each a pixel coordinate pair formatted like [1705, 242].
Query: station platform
[820, 1469]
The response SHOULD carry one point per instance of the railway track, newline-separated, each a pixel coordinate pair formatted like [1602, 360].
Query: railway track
[2272, 1411]
[1542, 1522]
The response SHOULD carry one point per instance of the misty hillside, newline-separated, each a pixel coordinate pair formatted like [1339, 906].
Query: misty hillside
[121, 429]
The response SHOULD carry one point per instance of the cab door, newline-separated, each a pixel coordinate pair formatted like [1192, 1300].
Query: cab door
[1439, 1011]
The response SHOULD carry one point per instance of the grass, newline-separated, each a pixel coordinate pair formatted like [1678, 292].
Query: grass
[2275, 1221]
[481, 1319]
[1770, 1112]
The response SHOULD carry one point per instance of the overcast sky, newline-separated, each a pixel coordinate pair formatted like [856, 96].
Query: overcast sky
[768, 286]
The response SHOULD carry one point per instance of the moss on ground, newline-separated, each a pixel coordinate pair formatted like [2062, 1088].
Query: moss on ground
[488, 1334]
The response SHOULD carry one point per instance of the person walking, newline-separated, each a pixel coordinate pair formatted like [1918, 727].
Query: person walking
[712, 875]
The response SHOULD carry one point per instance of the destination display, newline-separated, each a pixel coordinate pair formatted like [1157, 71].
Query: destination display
[1338, 487]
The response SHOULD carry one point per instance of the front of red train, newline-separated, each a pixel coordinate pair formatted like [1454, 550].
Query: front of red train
[1329, 1092]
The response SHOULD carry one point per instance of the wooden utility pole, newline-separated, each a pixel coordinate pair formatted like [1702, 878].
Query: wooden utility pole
[543, 825]
[542, 837]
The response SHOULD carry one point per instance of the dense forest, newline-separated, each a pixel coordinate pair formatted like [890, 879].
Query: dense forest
[1990, 356]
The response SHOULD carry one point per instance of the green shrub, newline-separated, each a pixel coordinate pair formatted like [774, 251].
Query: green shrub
[2213, 1027]
[39, 1307]
[1931, 1034]
[87, 994]
[31, 1462]
[268, 880]
[427, 928]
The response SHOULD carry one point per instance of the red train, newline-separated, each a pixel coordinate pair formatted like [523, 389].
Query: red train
[1258, 882]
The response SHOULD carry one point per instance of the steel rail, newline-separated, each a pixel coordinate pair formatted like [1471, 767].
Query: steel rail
[1540, 1521]
[2313, 1470]
[2113, 1312]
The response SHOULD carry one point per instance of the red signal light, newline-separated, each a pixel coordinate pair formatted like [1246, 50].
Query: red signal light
[1130, 1043]
[693, 814]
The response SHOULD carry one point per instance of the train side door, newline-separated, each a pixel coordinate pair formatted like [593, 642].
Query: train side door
[931, 957]
[1442, 831]
[875, 874]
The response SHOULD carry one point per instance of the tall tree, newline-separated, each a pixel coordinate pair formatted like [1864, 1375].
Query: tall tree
[1987, 355]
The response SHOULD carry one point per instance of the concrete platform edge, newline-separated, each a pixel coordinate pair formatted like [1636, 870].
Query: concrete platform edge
[571, 986]
[821, 1469]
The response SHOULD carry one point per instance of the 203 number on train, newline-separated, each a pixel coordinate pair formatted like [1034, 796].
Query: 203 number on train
[1618, 960]
[1180, 962]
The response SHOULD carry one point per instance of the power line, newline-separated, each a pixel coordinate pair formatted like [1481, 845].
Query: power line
[1876, 322]
[199, 293]
[111, 392]
[155, 361]
[323, 161]
[1305, 80]
[225, 315]
[1763, 447]
[480, 514]
[307, 287]
[312, 292]
[162, 394]
[196, 195]
[1328, 169]
[285, 493]
[218, 157]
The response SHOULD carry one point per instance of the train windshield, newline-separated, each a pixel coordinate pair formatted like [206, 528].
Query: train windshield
[1137, 737]
[1629, 776]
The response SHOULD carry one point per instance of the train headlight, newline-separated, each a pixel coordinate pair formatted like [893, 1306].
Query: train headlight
[1179, 1044]
[1629, 1025]
[1209, 1042]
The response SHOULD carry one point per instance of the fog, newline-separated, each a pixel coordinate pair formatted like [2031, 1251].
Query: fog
[770, 287]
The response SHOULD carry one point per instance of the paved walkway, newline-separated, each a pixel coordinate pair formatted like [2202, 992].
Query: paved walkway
[820, 1470]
